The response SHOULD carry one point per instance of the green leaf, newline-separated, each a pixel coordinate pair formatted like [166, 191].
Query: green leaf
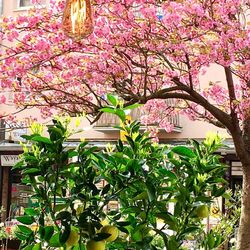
[210, 241]
[183, 151]
[218, 240]
[123, 229]
[189, 230]
[55, 133]
[137, 235]
[123, 223]
[31, 211]
[112, 99]
[28, 220]
[32, 171]
[121, 114]
[151, 192]
[21, 236]
[38, 246]
[168, 219]
[49, 230]
[19, 164]
[133, 106]
[29, 247]
[203, 199]
[24, 229]
[39, 138]
[27, 137]
[131, 142]
[178, 209]
[219, 192]
[108, 110]
[227, 196]
[64, 235]
[72, 153]
[168, 173]
[59, 207]
[172, 244]
[54, 241]
[132, 209]
[41, 231]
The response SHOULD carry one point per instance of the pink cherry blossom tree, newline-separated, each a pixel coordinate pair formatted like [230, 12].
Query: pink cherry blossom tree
[145, 51]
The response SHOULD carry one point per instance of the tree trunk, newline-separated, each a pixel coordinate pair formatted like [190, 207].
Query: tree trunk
[243, 239]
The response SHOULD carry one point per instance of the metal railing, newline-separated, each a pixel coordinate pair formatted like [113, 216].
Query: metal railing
[108, 120]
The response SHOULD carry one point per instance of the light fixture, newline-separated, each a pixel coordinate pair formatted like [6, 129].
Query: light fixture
[77, 20]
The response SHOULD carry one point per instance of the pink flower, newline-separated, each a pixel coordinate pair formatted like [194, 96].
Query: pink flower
[2, 99]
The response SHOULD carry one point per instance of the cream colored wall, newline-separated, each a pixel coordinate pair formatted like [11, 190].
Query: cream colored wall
[194, 129]
[10, 8]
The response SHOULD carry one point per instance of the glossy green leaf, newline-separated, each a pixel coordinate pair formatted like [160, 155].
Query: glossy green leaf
[123, 229]
[218, 192]
[49, 230]
[189, 230]
[29, 247]
[210, 241]
[24, 229]
[112, 99]
[28, 220]
[21, 236]
[27, 137]
[54, 241]
[151, 192]
[123, 223]
[137, 235]
[32, 171]
[183, 151]
[168, 173]
[121, 114]
[64, 235]
[133, 106]
[172, 244]
[37, 246]
[31, 211]
[39, 138]
[59, 207]
[108, 110]
[168, 219]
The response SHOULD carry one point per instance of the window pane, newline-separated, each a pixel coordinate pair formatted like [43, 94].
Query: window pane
[24, 3]
[27, 3]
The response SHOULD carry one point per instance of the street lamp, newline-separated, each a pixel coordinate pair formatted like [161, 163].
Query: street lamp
[77, 20]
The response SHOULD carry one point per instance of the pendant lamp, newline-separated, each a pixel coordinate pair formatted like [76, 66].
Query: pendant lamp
[77, 20]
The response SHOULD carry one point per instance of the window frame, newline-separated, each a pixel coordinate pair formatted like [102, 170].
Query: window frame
[18, 7]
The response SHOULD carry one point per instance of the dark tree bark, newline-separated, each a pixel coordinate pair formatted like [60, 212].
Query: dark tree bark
[243, 240]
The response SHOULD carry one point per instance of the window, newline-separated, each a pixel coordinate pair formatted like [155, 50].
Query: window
[24, 3]
[1, 7]
[28, 3]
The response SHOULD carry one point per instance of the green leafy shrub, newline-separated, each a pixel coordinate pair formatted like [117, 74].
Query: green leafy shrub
[160, 190]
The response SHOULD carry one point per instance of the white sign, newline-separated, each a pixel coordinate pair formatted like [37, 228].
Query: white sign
[9, 160]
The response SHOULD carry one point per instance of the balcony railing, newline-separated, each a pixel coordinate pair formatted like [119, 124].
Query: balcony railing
[107, 121]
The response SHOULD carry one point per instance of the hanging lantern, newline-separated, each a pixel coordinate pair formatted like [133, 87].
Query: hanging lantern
[77, 20]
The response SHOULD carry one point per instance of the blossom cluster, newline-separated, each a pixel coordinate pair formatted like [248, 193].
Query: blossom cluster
[140, 49]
